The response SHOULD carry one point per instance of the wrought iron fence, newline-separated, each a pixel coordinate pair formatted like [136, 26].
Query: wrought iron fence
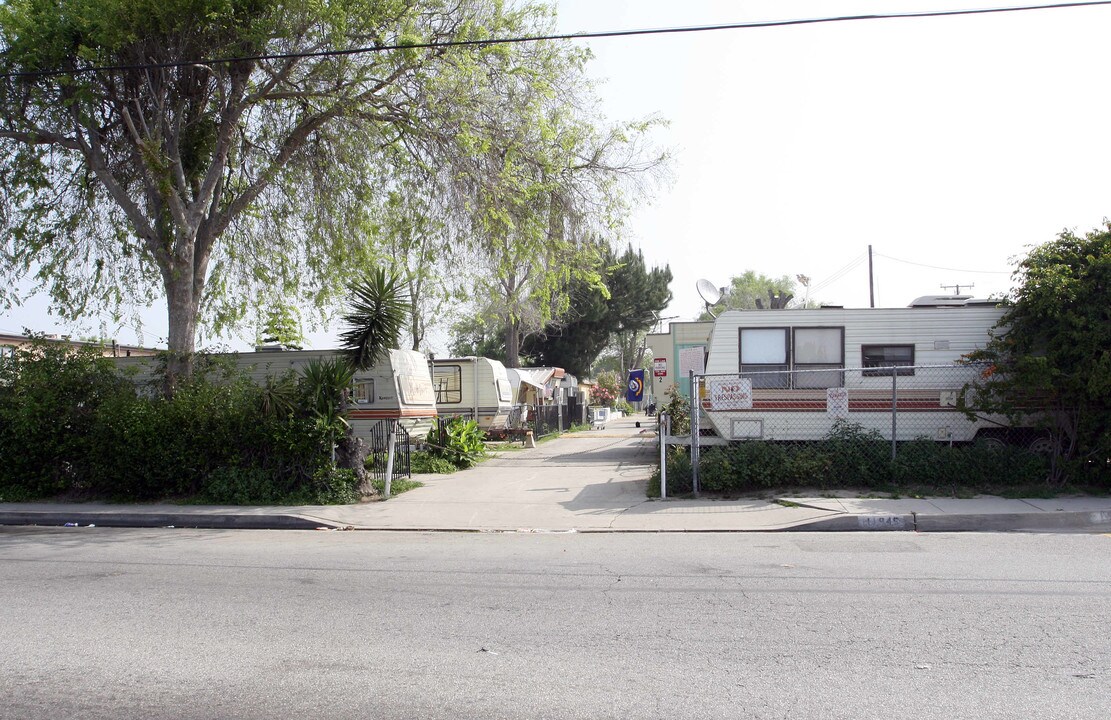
[829, 427]
[379, 450]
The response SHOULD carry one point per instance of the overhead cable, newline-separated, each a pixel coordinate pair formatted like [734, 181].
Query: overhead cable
[562, 36]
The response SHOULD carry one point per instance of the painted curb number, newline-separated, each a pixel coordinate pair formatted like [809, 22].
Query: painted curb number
[881, 522]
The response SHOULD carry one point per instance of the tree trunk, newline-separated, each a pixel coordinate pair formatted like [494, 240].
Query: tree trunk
[182, 308]
[512, 345]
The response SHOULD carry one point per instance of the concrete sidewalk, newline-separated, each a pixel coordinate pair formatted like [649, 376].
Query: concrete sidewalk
[592, 481]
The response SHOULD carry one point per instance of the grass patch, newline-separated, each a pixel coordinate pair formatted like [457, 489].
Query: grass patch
[397, 486]
[424, 463]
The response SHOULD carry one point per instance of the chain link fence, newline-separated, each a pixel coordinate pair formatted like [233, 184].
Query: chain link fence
[828, 427]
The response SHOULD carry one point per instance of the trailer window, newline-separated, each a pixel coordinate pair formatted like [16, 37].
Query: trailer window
[362, 393]
[505, 390]
[887, 356]
[764, 351]
[448, 380]
[816, 350]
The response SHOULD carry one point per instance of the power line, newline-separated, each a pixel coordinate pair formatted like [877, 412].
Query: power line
[562, 36]
[853, 264]
[947, 269]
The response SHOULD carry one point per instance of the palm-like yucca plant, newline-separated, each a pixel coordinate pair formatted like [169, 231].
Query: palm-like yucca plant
[379, 308]
[325, 383]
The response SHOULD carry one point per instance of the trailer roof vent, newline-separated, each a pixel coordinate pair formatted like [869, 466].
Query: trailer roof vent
[931, 301]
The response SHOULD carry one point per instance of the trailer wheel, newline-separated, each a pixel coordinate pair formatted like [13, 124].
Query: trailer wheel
[1042, 445]
[993, 439]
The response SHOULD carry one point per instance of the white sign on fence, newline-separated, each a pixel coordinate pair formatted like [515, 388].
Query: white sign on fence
[729, 393]
[837, 402]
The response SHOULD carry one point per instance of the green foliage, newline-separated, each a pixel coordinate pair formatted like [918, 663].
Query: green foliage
[852, 457]
[426, 463]
[325, 385]
[399, 485]
[379, 307]
[458, 440]
[629, 302]
[608, 388]
[622, 406]
[70, 424]
[746, 289]
[229, 186]
[283, 327]
[1050, 360]
[49, 399]
[475, 336]
[678, 408]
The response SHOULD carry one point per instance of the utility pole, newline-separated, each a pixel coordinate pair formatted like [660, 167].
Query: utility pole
[871, 284]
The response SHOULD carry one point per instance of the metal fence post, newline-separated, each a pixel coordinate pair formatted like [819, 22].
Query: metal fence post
[694, 434]
[663, 429]
[894, 407]
[391, 448]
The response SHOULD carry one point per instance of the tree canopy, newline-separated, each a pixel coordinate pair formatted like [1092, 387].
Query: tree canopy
[235, 155]
[752, 290]
[630, 303]
[1051, 356]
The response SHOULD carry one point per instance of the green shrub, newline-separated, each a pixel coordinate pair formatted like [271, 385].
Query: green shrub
[458, 440]
[851, 456]
[50, 395]
[397, 485]
[329, 486]
[424, 462]
[243, 486]
[679, 477]
[69, 421]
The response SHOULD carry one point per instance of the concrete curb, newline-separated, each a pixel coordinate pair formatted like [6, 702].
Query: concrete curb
[1080, 521]
[177, 520]
[1077, 521]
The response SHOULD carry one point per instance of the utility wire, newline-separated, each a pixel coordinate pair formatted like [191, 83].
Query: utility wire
[853, 264]
[948, 269]
[563, 36]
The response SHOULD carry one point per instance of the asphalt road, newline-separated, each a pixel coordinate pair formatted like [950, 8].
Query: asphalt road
[102, 623]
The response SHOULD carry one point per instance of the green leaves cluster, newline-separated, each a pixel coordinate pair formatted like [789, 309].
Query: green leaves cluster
[268, 179]
[626, 302]
[71, 424]
[1050, 359]
[457, 440]
[750, 287]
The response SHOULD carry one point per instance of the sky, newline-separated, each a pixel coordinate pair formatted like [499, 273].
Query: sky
[949, 145]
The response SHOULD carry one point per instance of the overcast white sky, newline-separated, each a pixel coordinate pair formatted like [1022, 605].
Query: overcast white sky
[948, 142]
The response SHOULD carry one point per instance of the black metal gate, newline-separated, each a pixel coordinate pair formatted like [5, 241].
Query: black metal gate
[379, 446]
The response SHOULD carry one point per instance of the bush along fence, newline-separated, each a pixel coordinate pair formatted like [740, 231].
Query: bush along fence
[884, 428]
[72, 425]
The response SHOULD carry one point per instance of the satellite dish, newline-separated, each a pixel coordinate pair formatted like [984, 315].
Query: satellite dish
[711, 295]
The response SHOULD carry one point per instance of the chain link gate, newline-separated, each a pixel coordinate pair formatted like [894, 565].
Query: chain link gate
[882, 428]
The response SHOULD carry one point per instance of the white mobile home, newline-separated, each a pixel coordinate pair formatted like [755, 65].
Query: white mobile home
[791, 374]
[474, 387]
[399, 388]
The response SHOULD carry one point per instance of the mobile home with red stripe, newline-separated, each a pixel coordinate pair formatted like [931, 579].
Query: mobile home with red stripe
[792, 374]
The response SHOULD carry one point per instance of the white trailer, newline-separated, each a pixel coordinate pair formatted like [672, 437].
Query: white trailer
[474, 387]
[399, 388]
[791, 374]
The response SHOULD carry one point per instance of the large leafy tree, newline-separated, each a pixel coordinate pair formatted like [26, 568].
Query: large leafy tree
[616, 314]
[1051, 358]
[220, 154]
